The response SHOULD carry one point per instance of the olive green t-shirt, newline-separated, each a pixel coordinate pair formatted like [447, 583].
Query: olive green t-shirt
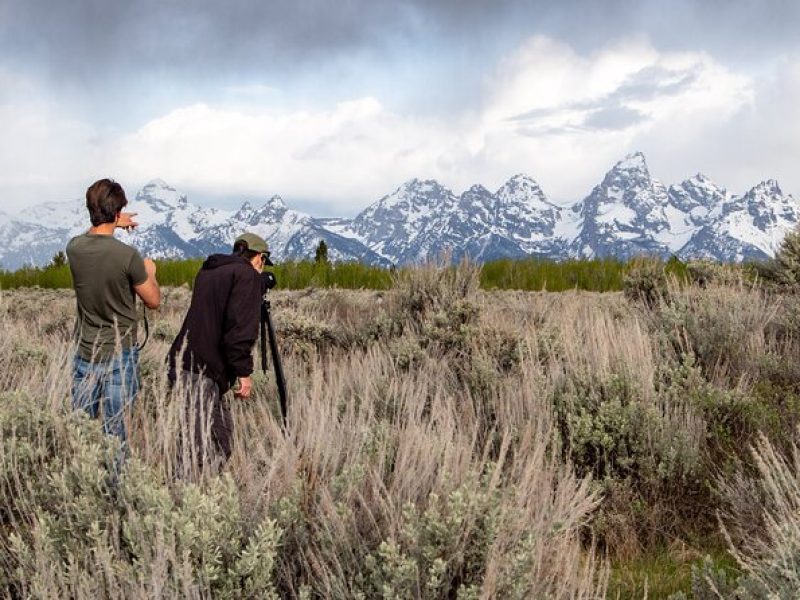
[104, 271]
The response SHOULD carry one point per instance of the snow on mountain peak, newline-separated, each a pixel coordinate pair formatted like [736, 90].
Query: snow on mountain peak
[271, 211]
[700, 179]
[159, 183]
[521, 177]
[161, 196]
[630, 180]
[522, 185]
[478, 189]
[628, 213]
[415, 196]
[276, 203]
[632, 162]
[769, 187]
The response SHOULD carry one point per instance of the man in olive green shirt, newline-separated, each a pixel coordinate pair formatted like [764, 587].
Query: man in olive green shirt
[108, 275]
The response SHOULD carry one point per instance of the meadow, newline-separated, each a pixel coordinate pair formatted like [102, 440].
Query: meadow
[444, 440]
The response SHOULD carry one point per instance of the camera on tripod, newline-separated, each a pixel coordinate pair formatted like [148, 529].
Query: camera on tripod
[268, 280]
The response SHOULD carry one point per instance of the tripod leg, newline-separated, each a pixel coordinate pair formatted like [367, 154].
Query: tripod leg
[276, 361]
[264, 337]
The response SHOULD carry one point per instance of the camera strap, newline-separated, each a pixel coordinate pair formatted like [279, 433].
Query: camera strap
[146, 329]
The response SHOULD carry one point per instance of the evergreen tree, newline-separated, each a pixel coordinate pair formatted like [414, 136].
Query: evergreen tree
[321, 255]
[59, 259]
[787, 260]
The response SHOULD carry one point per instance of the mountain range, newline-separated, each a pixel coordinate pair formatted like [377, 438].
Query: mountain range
[627, 214]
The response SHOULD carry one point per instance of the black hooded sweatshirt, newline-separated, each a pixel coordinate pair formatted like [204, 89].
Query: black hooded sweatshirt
[221, 326]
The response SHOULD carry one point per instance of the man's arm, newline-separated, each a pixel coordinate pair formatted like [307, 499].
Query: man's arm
[149, 291]
[242, 315]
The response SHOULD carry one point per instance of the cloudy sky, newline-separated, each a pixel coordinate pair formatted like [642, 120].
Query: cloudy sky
[334, 104]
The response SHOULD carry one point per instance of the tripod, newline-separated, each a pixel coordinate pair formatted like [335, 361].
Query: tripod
[269, 281]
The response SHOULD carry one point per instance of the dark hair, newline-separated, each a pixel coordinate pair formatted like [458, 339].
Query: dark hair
[104, 199]
[240, 248]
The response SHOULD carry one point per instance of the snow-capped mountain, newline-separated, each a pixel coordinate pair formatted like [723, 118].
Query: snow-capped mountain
[422, 219]
[631, 213]
[748, 227]
[23, 243]
[172, 227]
[524, 213]
[407, 225]
[699, 198]
[628, 213]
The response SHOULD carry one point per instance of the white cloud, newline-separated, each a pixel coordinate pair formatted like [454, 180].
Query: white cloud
[546, 110]
[566, 117]
[348, 155]
[45, 153]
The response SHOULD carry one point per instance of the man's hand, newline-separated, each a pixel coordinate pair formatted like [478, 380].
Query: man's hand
[126, 221]
[245, 387]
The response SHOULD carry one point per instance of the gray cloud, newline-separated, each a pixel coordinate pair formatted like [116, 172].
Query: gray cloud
[88, 39]
[614, 118]
[645, 85]
[651, 83]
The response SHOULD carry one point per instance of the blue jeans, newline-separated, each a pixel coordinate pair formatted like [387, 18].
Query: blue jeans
[111, 385]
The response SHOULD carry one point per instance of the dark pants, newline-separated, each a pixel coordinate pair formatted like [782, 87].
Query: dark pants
[208, 418]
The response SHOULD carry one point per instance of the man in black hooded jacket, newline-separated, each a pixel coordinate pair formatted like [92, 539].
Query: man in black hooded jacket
[213, 350]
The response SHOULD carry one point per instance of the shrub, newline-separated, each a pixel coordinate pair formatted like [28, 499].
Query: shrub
[723, 331]
[646, 282]
[769, 555]
[786, 266]
[645, 448]
[417, 293]
[704, 273]
[75, 529]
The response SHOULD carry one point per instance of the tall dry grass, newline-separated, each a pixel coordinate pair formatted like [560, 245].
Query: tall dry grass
[441, 442]
[420, 460]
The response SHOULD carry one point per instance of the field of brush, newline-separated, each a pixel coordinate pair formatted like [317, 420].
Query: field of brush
[443, 442]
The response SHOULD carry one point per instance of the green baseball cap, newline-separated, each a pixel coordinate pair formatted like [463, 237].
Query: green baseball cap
[256, 244]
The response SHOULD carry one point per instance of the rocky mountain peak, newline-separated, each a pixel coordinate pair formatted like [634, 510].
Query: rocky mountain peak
[477, 190]
[765, 189]
[276, 203]
[523, 189]
[630, 172]
[628, 214]
[697, 196]
[632, 162]
[160, 196]
[521, 185]
[420, 187]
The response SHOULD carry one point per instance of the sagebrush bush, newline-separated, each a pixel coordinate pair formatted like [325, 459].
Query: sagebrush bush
[74, 528]
[724, 331]
[646, 281]
[441, 440]
[435, 289]
[418, 459]
[763, 527]
[704, 273]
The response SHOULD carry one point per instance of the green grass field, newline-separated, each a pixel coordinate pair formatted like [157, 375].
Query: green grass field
[533, 274]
